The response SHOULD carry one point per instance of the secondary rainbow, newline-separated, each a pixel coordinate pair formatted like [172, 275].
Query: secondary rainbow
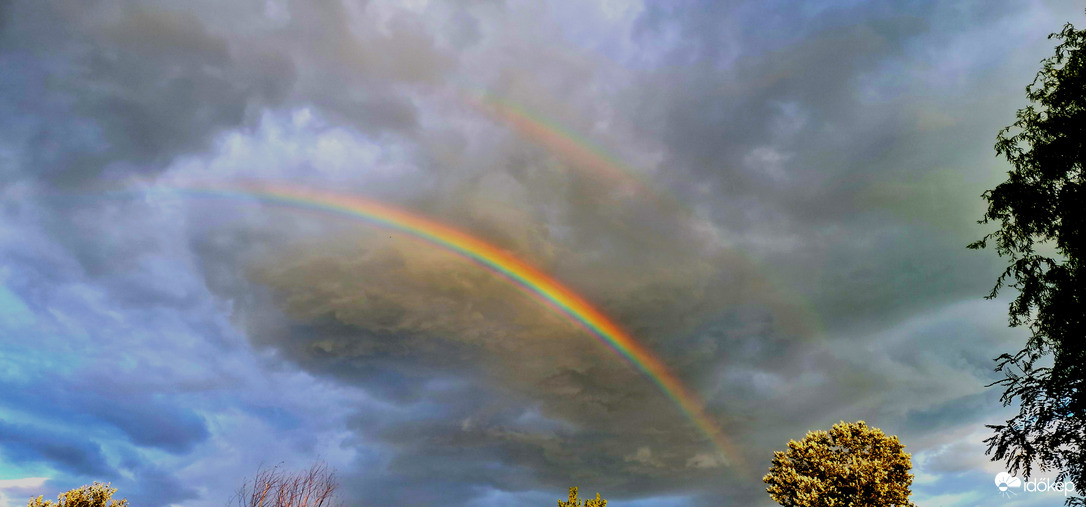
[566, 143]
[582, 153]
[533, 281]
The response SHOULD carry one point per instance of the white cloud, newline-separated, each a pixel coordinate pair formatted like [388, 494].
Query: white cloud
[14, 492]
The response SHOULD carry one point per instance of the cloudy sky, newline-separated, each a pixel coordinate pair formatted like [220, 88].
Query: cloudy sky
[773, 197]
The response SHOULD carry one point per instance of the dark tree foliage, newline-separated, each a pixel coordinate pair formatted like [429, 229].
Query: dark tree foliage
[1042, 209]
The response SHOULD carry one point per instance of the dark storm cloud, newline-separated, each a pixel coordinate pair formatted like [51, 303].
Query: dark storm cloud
[69, 452]
[401, 318]
[106, 89]
[823, 159]
[818, 147]
[155, 485]
[798, 80]
[109, 90]
[786, 139]
[97, 403]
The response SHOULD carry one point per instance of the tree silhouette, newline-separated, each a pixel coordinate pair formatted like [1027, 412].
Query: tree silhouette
[1040, 209]
[852, 464]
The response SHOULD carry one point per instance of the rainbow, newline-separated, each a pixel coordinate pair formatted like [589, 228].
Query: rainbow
[531, 280]
[582, 153]
[576, 149]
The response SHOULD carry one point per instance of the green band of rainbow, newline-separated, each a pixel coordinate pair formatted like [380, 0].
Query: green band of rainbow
[543, 287]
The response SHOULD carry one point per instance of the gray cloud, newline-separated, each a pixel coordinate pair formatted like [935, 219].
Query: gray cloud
[795, 251]
[71, 453]
[396, 319]
[824, 150]
[145, 421]
[110, 90]
[105, 90]
[399, 317]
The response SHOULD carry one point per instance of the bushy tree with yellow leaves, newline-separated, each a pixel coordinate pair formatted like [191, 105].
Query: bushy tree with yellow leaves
[851, 465]
[575, 502]
[95, 495]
